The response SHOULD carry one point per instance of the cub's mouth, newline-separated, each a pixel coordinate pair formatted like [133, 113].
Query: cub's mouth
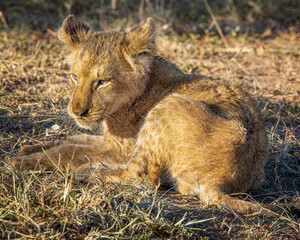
[89, 119]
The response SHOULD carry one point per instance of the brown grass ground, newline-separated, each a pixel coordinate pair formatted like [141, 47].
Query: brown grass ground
[46, 205]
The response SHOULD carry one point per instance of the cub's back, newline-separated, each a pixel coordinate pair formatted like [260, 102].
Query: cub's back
[222, 98]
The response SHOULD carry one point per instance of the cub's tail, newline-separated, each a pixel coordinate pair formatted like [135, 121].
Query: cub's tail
[216, 195]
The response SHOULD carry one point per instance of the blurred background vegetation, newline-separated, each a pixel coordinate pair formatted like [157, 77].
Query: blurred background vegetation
[234, 17]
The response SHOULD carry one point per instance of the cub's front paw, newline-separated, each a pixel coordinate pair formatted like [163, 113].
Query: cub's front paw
[24, 162]
[31, 162]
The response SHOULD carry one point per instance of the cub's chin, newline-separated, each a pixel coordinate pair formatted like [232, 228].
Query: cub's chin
[88, 124]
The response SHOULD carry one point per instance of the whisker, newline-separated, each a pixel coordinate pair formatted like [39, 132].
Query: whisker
[110, 120]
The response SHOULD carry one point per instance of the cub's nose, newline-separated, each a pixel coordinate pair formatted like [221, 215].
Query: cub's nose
[81, 111]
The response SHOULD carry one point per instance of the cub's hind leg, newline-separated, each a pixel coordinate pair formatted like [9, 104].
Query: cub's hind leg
[159, 147]
[139, 167]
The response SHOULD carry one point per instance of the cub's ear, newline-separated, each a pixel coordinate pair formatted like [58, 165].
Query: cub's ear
[142, 40]
[72, 32]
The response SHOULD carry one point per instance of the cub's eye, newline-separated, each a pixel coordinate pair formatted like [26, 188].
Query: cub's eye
[142, 53]
[102, 83]
[73, 77]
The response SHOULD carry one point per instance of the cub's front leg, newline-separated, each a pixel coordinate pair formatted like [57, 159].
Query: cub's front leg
[82, 139]
[30, 149]
[60, 156]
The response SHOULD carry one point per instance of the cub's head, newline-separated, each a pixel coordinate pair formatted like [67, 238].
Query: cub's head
[109, 70]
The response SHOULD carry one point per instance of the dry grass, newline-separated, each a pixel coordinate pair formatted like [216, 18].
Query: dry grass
[54, 205]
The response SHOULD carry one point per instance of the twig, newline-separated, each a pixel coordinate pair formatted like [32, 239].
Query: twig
[216, 23]
[58, 132]
[3, 20]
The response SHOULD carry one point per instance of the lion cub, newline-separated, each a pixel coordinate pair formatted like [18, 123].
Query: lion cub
[205, 137]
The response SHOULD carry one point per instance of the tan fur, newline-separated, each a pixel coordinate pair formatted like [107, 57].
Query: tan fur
[205, 137]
